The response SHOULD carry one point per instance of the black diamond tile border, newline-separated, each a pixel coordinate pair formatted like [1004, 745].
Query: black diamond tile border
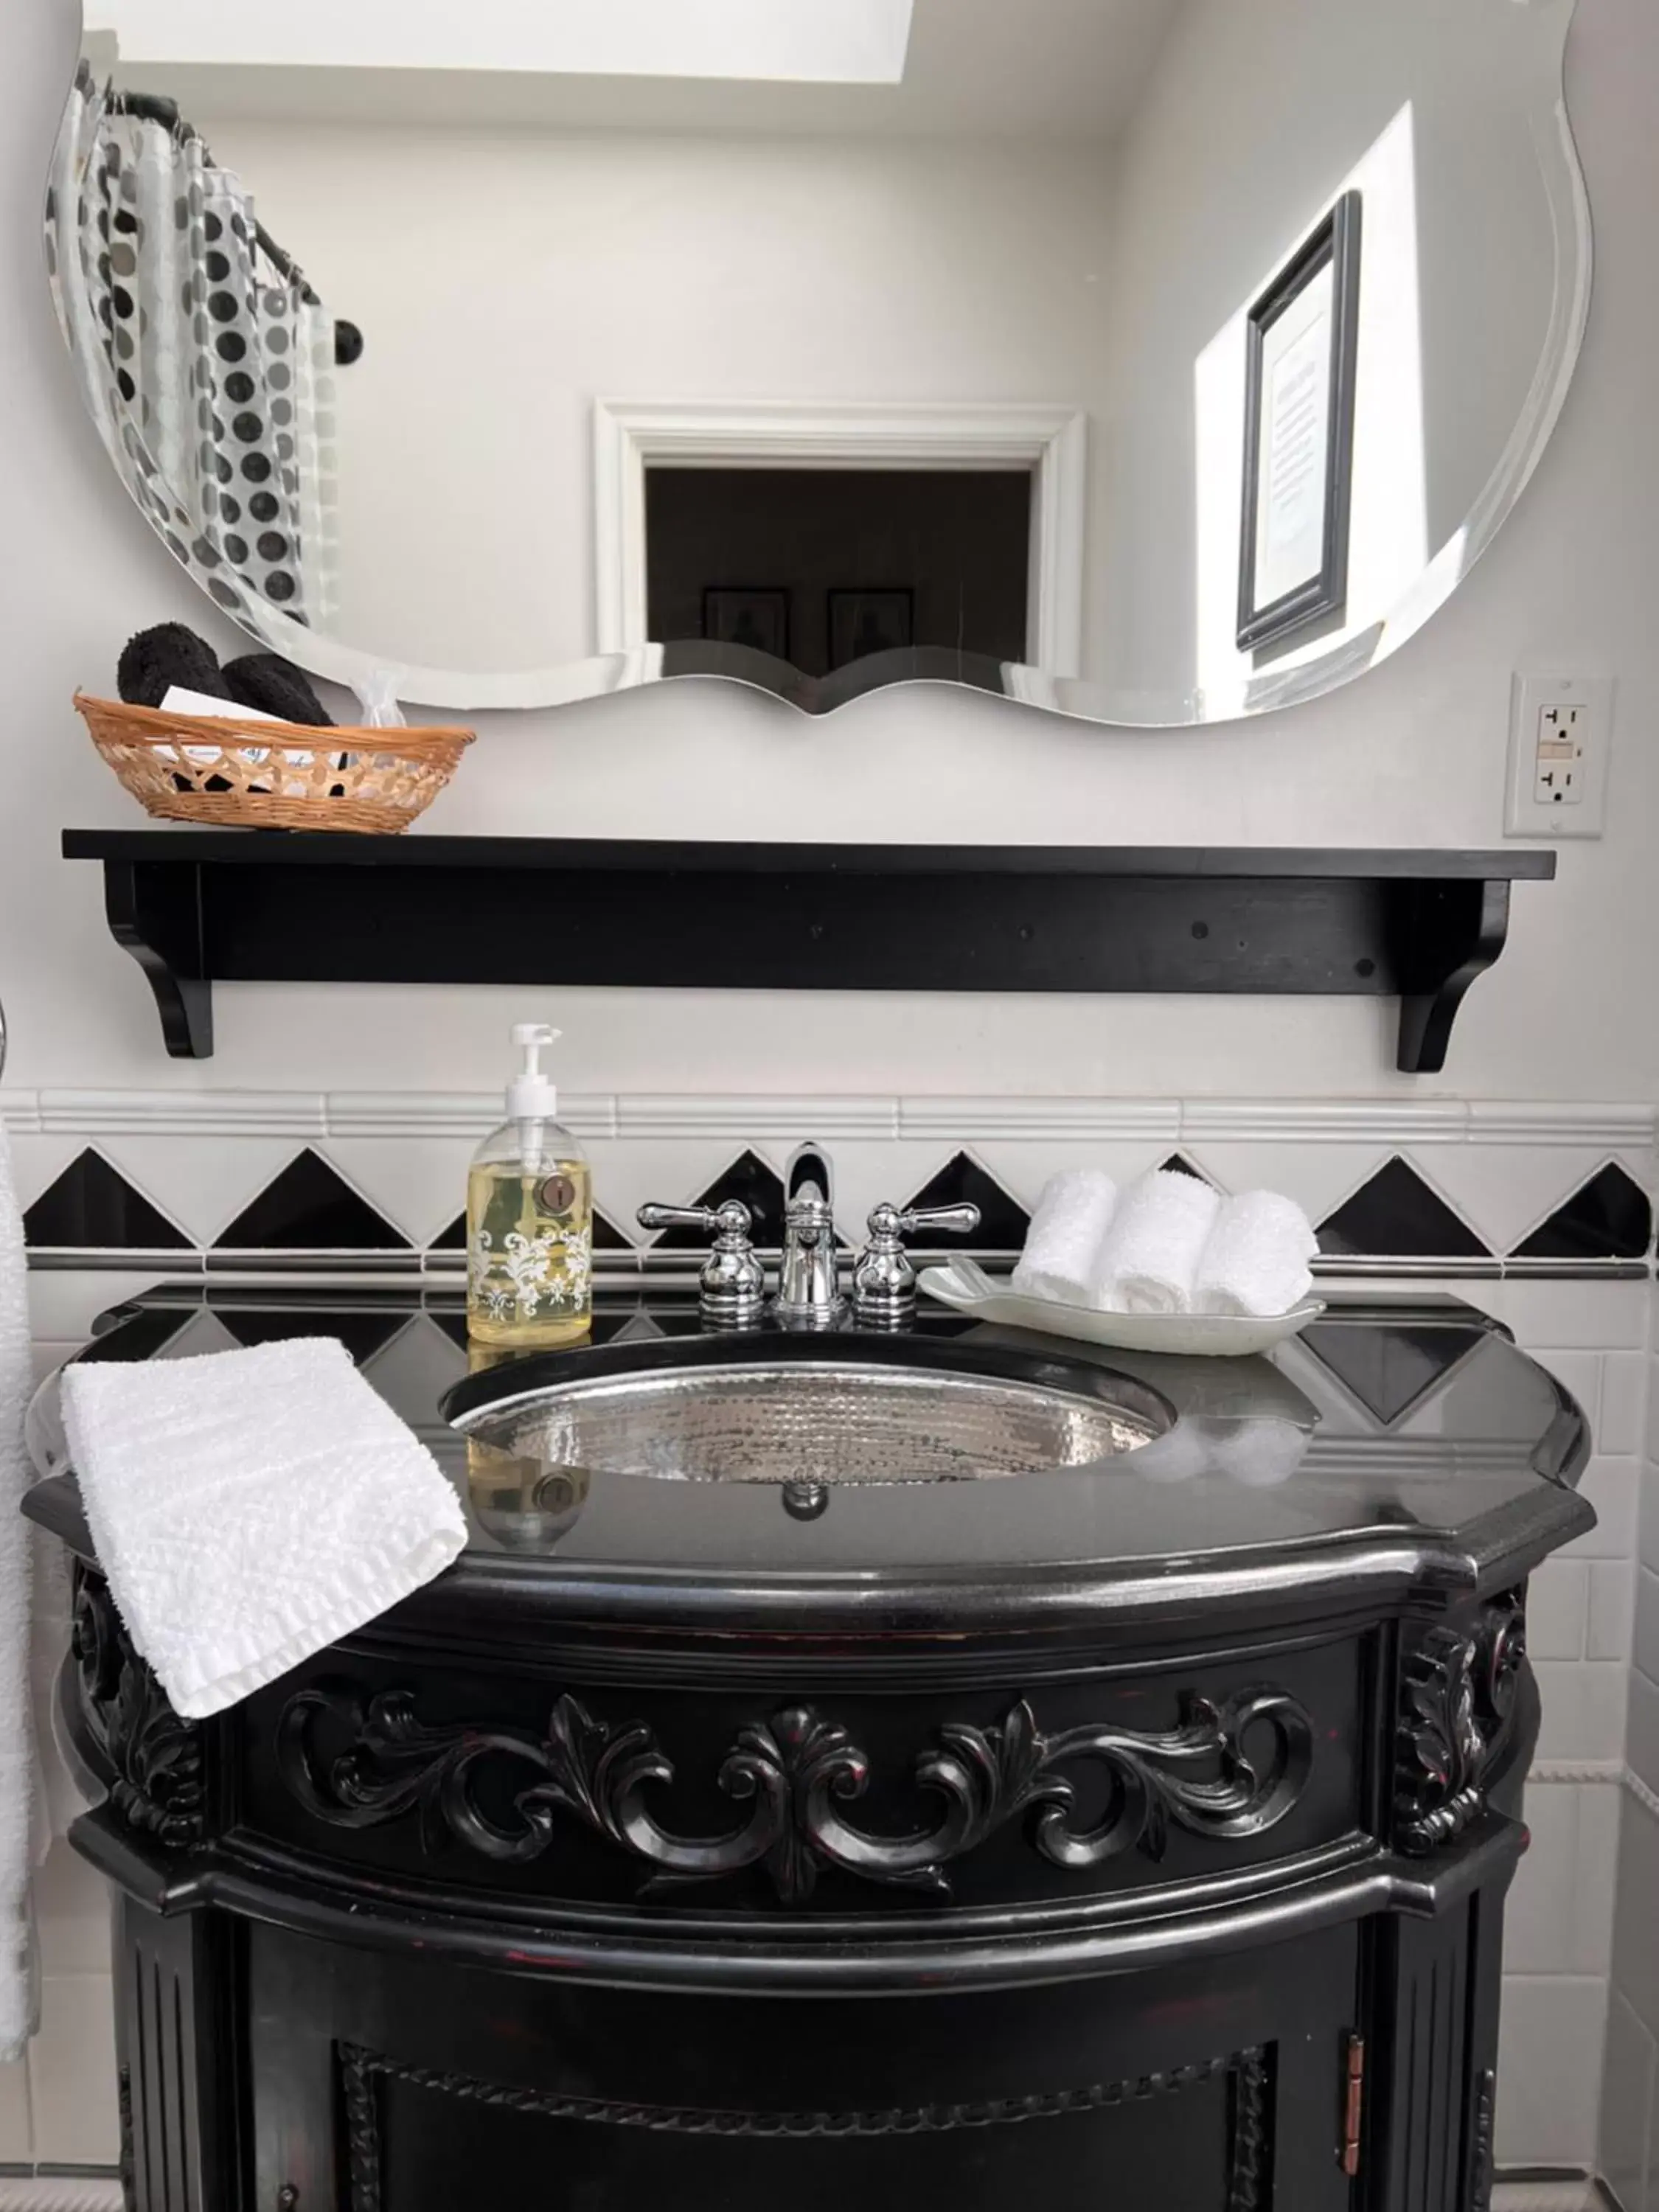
[92, 1207]
[1178, 1163]
[761, 1190]
[1004, 1222]
[1391, 1371]
[310, 1208]
[1610, 1217]
[363, 1334]
[1395, 1215]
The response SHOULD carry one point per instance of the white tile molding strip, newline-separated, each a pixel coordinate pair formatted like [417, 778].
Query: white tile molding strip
[60, 2192]
[751, 1115]
[1570, 2196]
[447, 1266]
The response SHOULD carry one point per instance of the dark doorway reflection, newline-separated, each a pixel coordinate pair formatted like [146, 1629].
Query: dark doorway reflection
[825, 567]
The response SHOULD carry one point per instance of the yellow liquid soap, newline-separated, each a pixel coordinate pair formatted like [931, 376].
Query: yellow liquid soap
[529, 1252]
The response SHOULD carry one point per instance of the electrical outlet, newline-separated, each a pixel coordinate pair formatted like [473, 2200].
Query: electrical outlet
[1560, 734]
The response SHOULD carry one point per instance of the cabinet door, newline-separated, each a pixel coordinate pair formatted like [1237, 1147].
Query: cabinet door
[399, 2087]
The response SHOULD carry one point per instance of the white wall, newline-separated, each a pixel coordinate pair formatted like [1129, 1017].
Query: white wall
[1413, 756]
[560, 266]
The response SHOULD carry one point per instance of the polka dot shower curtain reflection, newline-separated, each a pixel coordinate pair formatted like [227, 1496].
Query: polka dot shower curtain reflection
[207, 365]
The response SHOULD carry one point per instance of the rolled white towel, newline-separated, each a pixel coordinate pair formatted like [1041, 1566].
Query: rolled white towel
[1063, 1243]
[1256, 1259]
[1149, 1261]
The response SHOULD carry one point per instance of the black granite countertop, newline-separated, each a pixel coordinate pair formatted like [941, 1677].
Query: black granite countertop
[1398, 1444]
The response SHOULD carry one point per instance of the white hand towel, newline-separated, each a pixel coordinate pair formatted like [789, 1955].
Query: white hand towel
[250, 1508]
[1256, 1259]
[17, 1793]
[1149, 1261]
[1064, 1241]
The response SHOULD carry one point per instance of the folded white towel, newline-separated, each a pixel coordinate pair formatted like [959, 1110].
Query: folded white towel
[1256, 1259]
[1063, 1242]
[1149, 1261]
[250, 1508]
[17, 1779]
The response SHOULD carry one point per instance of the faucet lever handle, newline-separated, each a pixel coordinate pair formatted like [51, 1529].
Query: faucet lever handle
[732, 1288]
[884, 1280]
[731, 1218]
[961, 1220]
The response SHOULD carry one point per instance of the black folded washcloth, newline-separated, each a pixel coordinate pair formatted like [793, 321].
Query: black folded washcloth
[156, 659]
[274, 686]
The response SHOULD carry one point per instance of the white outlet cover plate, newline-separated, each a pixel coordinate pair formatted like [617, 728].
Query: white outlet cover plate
[1524, 814]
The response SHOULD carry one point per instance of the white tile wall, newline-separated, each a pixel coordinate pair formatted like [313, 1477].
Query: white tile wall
[1560, 1916]
[1630, 2105]
[1646, 1641]
[1549, 2100]
[1558, 1609]
[15, 2147]
[1612, 1609]
[1613, 1487]
[73, 2106]
[1559, 1945]
[1624, 1402]
[71, 1915]
[1584, 1707]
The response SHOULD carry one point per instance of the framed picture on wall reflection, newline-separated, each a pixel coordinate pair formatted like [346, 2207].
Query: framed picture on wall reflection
[757, 617]
[1301, 349]
[863, 623]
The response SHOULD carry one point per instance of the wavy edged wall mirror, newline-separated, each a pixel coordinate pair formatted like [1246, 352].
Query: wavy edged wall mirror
[1156, 361]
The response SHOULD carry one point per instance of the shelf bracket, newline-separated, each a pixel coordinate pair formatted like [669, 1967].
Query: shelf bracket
[1450, 933]
[155, 913]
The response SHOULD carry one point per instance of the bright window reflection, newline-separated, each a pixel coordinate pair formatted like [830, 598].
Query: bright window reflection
[808, 41]
[1388, 524]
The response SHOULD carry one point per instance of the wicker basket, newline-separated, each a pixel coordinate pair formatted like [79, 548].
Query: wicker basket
[273, 775]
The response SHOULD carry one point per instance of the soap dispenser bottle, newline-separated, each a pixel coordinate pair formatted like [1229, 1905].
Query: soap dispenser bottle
[528, 1219]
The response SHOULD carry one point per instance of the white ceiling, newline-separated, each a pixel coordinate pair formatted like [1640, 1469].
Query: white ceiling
[1007, 69]
[827, 41]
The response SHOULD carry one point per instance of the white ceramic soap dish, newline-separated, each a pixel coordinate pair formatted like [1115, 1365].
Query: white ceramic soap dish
[964, 1285]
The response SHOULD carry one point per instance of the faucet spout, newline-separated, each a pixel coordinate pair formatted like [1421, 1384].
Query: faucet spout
[809, 1294]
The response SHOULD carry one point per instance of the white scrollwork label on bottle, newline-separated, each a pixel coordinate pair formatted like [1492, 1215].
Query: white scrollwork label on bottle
[531, 1275]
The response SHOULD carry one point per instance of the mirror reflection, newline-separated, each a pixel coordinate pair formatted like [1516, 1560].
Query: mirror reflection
[1158, 361]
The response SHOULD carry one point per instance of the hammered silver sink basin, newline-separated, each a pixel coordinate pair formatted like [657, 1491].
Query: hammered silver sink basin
[831, 1414]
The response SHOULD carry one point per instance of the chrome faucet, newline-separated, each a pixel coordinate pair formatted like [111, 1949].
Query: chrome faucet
[809, 1294]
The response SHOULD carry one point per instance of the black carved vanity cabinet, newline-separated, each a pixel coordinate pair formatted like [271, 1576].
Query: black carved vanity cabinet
[1137, 1836]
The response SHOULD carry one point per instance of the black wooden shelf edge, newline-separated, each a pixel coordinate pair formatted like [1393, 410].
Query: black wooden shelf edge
[194, 908]
[249, 848]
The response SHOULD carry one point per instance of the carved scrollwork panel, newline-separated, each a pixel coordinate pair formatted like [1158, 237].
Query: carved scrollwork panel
[154, 1757]
[1228, 1770]
[1458, 1693]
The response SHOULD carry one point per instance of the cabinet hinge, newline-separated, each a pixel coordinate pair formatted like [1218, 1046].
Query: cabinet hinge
[1353, 2103]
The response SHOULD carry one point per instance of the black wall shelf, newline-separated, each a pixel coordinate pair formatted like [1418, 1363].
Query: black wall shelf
[197, 906]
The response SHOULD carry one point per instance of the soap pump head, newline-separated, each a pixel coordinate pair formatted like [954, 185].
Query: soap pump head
[533, 1096]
